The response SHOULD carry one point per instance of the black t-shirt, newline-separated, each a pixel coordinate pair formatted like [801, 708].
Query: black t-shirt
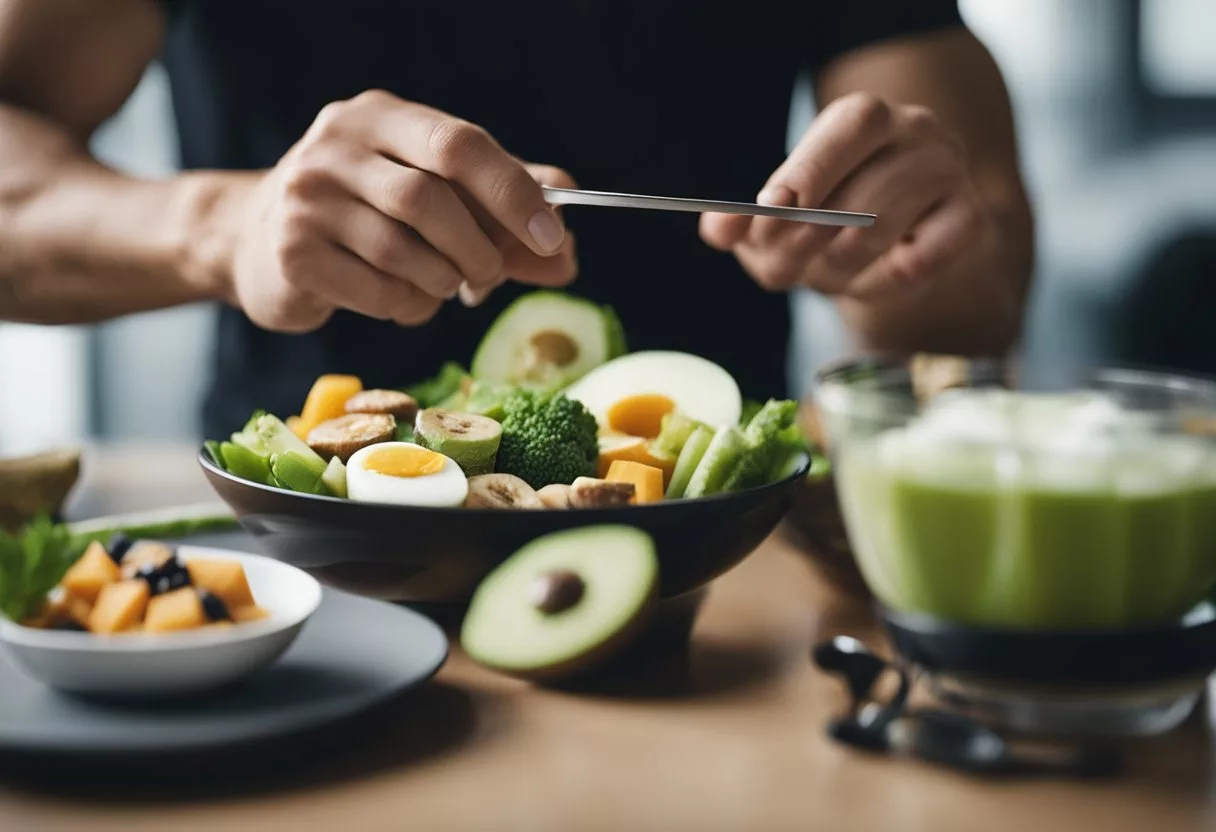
[676, 98]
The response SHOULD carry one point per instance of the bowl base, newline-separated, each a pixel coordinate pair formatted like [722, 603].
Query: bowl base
[1135, 711]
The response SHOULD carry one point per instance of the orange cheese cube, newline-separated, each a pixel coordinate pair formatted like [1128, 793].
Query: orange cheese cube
[90, 573]
[119, 606]
[180, 609]
[647, 480]
[223, 578]
[631, 449]
[326, 400]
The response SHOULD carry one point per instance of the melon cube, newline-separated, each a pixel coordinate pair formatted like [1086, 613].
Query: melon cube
[119, 606]
[76, 609]
[91, 572]
[142, 553]
[223, 578]
[180, 609]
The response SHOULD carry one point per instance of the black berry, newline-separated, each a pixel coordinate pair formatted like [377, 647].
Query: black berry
[213, 607]
[119, 545]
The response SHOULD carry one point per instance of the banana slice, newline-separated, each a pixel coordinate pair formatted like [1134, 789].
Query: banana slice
[501, 491]
[556, 495]
[589, 492]
[470, 440]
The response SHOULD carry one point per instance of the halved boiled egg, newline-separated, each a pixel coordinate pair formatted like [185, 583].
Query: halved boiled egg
[405, 474]
[630, 395]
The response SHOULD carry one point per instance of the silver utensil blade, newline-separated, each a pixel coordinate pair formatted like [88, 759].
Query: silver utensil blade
[819, 216]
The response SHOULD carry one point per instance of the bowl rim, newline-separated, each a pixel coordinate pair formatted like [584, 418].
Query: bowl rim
[209, 465]
[16, 634]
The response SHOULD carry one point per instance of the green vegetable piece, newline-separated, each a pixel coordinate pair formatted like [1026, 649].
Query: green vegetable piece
[159, 524]
[431, 392]
[456, 401]
[404, 432]
[674, 432]
[268, 436]
[32, 562]
[213, 450]
[469, 440]
[486, 398]
[750, 408]
[686, 463]
[727, 448]
[297, 474]
[773, 417]
[547, 438]
[334, 477]
[242, 462]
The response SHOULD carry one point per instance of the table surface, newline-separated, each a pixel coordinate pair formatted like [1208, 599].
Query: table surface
[732, 739]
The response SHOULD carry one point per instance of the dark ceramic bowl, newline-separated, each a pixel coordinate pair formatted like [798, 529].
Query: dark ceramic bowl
[437, 556]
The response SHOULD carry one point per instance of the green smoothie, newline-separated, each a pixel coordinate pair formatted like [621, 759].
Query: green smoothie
[1028, 523]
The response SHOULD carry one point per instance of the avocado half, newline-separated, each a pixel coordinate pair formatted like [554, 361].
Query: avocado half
[563, 604]
[547, 339]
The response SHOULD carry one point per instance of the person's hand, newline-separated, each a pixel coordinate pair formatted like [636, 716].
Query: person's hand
[389, 208]
[861, 154]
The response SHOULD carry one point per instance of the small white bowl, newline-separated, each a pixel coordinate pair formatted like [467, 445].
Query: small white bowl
[149, 665]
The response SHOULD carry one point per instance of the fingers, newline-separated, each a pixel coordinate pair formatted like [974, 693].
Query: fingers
[391, 248]
[907, 184]
[549, 175]
[428, 205]
[465, 153]
[724, 231]
[929, 249]
[315, 266]
[845, 134]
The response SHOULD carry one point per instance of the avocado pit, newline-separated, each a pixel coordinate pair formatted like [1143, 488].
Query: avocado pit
[551, 348]
[556, 591]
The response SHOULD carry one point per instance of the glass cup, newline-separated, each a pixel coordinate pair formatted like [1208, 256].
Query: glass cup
[977, 505]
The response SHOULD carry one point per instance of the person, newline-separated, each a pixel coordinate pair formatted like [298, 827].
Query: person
[360, 184]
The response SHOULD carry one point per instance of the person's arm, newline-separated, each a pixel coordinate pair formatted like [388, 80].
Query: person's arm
[975, 303]
[918, 130]
[78, 241]
[385, 207]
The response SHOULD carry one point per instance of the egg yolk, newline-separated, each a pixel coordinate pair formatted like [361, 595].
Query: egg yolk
[640, 415]
[404, 462]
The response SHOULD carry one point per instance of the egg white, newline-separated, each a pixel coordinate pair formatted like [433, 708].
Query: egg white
[446, 487]
[699, 388]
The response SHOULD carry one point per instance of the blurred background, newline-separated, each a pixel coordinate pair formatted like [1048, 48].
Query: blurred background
[1116, 106]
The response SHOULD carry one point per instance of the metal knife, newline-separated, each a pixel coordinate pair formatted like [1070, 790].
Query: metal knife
[819, 216]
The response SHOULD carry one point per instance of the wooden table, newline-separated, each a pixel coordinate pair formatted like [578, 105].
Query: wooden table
[732, 741]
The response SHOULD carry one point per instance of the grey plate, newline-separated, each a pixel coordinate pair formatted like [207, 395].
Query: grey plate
[352, 655]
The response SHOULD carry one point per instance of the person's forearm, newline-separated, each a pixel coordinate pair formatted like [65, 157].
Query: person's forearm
[80, 242]
[977, 308]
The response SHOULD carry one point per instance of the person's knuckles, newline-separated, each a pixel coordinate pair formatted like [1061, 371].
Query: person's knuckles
[861, 114]
[458, 146]
[412, 193]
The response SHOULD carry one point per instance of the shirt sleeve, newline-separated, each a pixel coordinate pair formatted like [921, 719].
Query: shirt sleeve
[838, 27]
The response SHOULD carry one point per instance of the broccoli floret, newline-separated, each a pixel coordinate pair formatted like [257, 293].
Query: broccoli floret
[546, 438]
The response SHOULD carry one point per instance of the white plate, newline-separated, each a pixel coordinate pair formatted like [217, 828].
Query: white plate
[153, 665]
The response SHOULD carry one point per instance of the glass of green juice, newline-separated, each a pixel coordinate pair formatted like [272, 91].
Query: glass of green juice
[1090, 507]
